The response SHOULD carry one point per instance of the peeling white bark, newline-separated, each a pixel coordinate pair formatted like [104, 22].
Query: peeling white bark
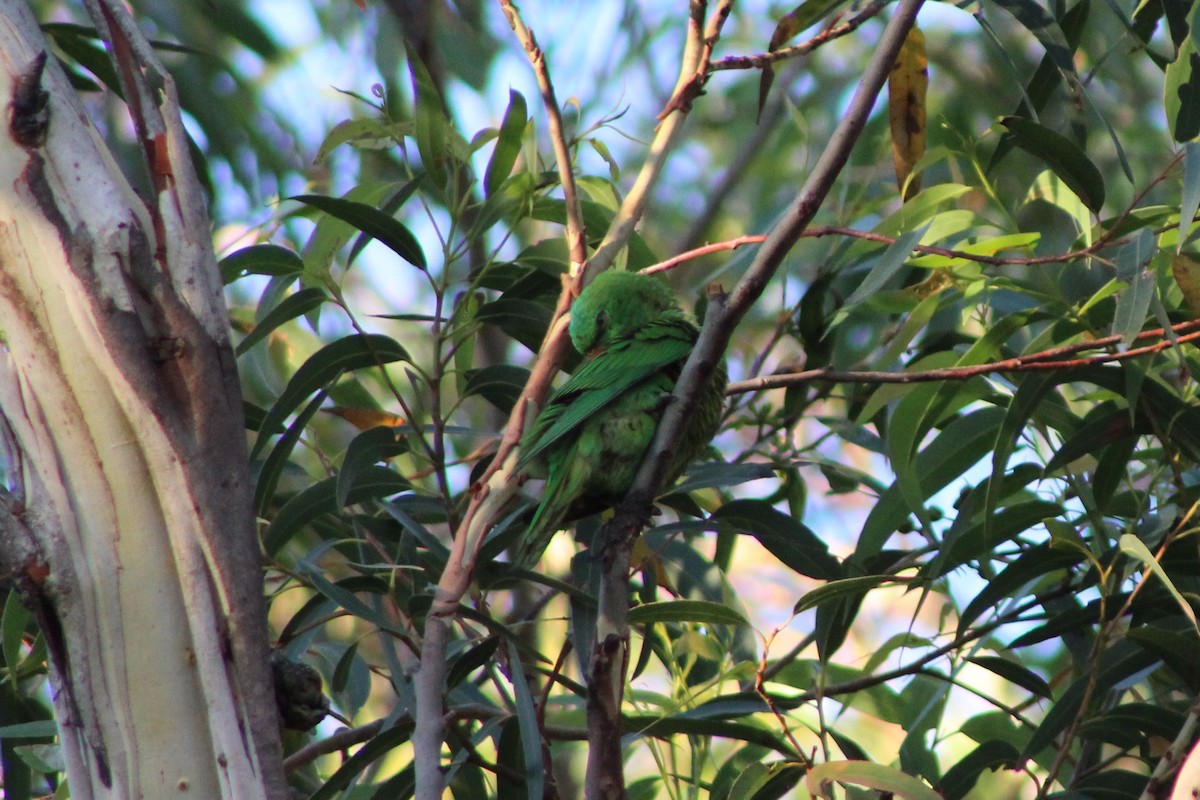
[129, 522]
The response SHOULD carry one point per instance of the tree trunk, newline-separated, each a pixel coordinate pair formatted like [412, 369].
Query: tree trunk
[127, 523]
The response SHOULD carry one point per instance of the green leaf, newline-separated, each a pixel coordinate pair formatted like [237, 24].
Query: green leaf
[883, 270]
[38, 729]
[277, 460]
[1181, 93]
[1120, 662]
[324, 367]
[981, 537]
[700, 612]
[291, 307]
[718, 474]
[1133, 547]
[880, 777]
[1105, 425]
[1035, 564]
[260, 259]
[321, 498]
[761, 781]
[508, 145]
[1043, 26]
[1013, 672]
[12, 632]
[1064, 157]
[364, 452]
[499, 384]
[1055, 73]
[1133, 303]
[430, 122]
[962, 777]
[959, 446]
[371, 221]
[1189, 200]
[375, 749]
[528, 721]
[844, 587]
[523, 320]
[688, 724]
[787, 539]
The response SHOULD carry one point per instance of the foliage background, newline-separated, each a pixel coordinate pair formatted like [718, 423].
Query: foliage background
[1010, 570]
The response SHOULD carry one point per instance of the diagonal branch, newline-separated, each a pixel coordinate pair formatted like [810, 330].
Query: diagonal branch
[726, 311]
[609, 657]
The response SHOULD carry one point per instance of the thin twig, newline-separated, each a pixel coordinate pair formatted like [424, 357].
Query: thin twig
[562, 155]
[1045, 361]
[803, 48]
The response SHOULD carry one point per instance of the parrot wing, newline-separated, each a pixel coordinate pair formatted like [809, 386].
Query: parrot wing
[600, 381]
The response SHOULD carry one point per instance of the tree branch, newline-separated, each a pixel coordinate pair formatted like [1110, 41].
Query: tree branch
[610, 651]
[1044, 361]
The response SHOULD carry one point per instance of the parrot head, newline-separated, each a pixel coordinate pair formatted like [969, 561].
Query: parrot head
[616, 305]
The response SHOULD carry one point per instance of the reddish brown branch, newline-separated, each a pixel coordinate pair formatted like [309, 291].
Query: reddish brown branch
[1046, 360]
[803, 48]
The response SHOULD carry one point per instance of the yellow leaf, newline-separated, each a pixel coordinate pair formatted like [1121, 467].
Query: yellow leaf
[907, 85]
[366, 418]
[1186, 269]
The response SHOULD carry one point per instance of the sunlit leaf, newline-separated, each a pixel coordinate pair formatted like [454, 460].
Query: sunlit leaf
[695, 611]
[879, 777]
[1185, 268]
[508, 144]
[908, 83]
[1181, 93]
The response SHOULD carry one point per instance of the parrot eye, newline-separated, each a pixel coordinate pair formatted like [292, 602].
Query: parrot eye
[601, 324]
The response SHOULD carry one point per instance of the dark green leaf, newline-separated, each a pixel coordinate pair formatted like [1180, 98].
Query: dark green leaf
[277, 460]
[290, 308]
[1120, 662]
[499, 384]
[845, 587]
[1064, 158]
[260, 259]
[321, 498]
[784, 537]
[1035, 564]
[718, 474]
[1182, 93]
[431, 124]
[324, 367]
[528, 722]
[674, 725]
[1013, 672]
[956, 449]
[371, 221]
[369, 753]
[365, 450]
[349, 600]
[523, 320]
[962, 777]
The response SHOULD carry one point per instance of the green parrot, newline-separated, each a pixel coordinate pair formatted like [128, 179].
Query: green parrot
[592, 436]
